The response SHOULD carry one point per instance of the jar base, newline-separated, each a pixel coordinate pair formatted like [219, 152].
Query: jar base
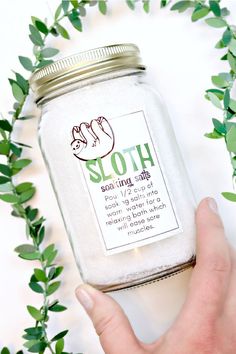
[149, 279]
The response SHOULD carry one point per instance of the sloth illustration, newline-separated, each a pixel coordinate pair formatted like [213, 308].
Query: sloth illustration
[92, 140]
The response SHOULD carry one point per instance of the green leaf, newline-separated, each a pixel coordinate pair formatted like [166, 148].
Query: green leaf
[224, 57]
[4, 169]
[6, 187]
[75, 21]
[4, 147]
[181, 6]
[31, 342]
[213, 135]
[38, 347]
[5, 350]
[21, 163]
[30, 256]
[5, 125]
[31, 213]
[4, 179]
[59, 346]
[219, 81]
[41, 26]
[231, 139]
[25, 248]
[9, 198]
[164, 3]
[232, 105]
[54, 31]
[53, 287]
[3, 134]
[219, 127]
[27, 195]
[232, 46]
[58, 12]
[26, 63]
[49, 254]
[229, 196]
[15, 149]
[146, 6]
[102, 5]
[225, 12]
[94, 2]
[57, 308]
[65, 5]
[35, 36]
[75, 3]
[23, 83]
[22, 187]
[220, 44]
[214, 100]
[54, 272]
[131, 4]
[226, 99]
[232, 61]
[34, 331]
[48, 250]
[215, 8]
[49, 52]
[82, 10]
[51, 258]
[44, 63]
[17, 92]
[37, 288]
[35, 313]
[59, 336]
[41, 234]
[40, 275]
[216, 22]
[39, 221]
[200, 13]
[227, 36]
[218, 93]
[63, 32]
[34, 19]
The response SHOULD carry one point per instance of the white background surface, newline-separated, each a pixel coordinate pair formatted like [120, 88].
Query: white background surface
[180, 57]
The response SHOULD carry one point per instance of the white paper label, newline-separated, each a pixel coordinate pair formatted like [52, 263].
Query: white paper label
[125, 181]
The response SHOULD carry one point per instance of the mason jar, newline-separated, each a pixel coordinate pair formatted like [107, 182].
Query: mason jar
[115, 168]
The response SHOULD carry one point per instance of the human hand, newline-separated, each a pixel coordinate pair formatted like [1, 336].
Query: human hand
[93, 140]
[207, 322]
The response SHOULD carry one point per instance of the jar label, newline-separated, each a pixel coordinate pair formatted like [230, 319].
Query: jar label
[125, 181]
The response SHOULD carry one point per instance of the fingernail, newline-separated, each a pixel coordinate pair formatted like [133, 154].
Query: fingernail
[84, 298]
[212, 205]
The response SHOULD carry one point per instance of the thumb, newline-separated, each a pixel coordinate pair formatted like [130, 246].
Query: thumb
[110, 322]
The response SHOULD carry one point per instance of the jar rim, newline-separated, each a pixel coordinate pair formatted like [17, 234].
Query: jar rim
[84, 65]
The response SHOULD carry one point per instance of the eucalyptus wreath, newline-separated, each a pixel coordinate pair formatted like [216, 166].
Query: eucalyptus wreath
[44, 279]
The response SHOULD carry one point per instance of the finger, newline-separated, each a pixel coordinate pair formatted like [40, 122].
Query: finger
[84, 129]
[110, 322]
[211, 275]
[230, 306]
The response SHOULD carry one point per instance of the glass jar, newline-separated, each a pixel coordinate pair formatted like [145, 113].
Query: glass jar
[115, 168]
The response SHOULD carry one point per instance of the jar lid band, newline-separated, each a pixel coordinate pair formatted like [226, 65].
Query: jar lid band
[84, 65]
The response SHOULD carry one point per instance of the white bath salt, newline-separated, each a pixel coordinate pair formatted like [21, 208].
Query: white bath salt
[115, 167]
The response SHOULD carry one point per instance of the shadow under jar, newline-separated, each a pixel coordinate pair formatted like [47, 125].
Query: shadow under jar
[115, 167]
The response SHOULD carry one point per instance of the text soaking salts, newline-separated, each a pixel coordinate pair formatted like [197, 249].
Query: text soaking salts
[115, 168]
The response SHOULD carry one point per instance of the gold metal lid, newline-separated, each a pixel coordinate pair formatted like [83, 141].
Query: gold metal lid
[84, 65]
